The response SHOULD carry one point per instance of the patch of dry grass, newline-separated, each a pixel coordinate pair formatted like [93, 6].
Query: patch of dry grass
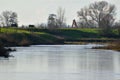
[111, 46]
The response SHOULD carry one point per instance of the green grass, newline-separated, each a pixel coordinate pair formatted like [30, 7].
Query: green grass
[21, 36]
[74, 34]
[13, 30]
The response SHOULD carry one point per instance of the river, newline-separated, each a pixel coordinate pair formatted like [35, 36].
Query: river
[61, 62]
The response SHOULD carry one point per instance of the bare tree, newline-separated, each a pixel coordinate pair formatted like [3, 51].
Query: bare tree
[83, 17]
[13, 19]
[52, 23]
[101, 13]
[61, 17]
[9, 18]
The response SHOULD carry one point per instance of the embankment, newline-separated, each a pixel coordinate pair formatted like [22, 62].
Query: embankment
[35, 36]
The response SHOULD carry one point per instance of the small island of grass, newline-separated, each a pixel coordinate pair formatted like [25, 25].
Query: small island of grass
[111, 46]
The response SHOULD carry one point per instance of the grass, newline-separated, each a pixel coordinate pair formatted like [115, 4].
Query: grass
[22, 37]
[72, 33]
[12, 30]
[28, 36]
[111, 46]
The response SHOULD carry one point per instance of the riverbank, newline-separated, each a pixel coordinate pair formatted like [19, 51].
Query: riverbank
[36, 36]
[5, 52]
[110, 46]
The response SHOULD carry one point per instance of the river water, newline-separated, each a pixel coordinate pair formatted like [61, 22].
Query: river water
[61, 62]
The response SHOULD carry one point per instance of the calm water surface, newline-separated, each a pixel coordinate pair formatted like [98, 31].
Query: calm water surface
[61, 62]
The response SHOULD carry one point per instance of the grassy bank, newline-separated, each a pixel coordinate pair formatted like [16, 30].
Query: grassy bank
[110, 46]
[31, 36]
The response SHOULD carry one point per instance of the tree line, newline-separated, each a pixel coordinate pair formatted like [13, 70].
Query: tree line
[57, 20]
[8, 19]
[100, 14]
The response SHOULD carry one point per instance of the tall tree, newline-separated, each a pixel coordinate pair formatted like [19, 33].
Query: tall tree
[101, 13]
[52, 21]
[13, 19]
[10, 19]
[61, 17]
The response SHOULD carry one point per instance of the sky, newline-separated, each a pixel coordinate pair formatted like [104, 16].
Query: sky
[37, 11]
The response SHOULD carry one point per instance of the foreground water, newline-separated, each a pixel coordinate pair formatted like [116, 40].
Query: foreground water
[61, 62]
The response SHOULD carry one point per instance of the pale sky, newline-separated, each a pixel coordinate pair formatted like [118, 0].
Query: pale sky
[37, 11]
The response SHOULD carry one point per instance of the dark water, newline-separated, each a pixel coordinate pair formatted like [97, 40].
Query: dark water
[61, 62]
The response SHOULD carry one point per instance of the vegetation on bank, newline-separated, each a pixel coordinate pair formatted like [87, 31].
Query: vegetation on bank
[36, 36]
[24, 37]
[33, 36]
[5, 52]
[111, 46]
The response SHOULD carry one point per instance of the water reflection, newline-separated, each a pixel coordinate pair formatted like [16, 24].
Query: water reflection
[61, 62]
